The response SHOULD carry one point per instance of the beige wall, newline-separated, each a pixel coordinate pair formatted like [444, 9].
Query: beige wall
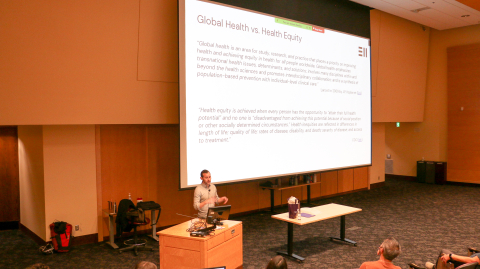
[399, 75]
[70, 176]
[399, 68]
[408, 146]
[32, 194]
[86, 62]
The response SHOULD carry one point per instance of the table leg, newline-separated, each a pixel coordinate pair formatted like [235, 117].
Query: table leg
[272, 200]
[308, 194]
[111, 232]
[309, 204]
[154, 226]
[290, 253]
[342, 233]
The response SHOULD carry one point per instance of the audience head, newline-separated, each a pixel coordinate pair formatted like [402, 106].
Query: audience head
[38, 266]
[277, 262]
[145, 265]
[390, 249]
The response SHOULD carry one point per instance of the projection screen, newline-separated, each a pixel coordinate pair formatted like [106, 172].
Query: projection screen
[263, 96]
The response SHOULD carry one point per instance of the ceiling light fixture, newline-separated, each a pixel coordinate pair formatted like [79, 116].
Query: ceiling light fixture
[465, 16]
[419, 9]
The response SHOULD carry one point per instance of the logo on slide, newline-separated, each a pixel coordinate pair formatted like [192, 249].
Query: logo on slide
[318, 29]
[362, 52]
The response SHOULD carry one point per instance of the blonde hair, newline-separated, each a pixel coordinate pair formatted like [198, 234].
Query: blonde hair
[391, 248]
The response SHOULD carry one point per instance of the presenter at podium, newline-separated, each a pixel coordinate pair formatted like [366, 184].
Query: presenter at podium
[206, 195]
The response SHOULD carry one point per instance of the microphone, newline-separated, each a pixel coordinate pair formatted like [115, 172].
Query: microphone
[186, 216]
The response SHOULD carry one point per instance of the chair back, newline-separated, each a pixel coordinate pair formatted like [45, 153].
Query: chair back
[137, 217]
[122, 221]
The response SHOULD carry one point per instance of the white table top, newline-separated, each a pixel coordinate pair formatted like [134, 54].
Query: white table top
[322, 212]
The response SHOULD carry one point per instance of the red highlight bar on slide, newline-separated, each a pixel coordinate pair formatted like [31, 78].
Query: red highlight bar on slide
[317, 29]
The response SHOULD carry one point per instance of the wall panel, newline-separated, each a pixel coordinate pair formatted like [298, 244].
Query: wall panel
[463, 113]
[158, 41]
[264, 197]
[462, 175]
[295, 192]
[459, 134]
[399, 51]
[243, 196]
[32, 187]
[377, 170]
[360, 178]
[70, 176]
[144, 160]
[163, 174]
[123, 164]
[315, 190]
[345, 180]
[429, 138]
[9, 174]
[329, 184]
[76, 62]
[471, 3]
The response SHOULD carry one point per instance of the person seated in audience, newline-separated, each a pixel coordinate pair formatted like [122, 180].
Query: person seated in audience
[145, 265]
[387, 251]
[447, 256]
[277, 262]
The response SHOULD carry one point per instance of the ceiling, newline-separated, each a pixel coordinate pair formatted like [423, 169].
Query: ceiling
[437, 14]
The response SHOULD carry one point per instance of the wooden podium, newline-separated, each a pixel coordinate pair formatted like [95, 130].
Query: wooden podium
[179, 250]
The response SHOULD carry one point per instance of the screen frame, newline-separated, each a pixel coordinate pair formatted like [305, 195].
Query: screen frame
[182, 101]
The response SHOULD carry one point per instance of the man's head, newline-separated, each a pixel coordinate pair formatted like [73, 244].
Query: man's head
[145, 265]
[390, 249]
[205, 177]
[277, 262]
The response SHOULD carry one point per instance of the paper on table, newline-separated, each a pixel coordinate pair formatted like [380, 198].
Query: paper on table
[306, 215]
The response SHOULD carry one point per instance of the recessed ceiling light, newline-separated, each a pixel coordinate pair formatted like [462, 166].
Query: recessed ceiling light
[465, 16]
[419, 9]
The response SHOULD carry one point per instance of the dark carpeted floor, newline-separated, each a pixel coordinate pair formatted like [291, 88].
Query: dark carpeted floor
[423, 218]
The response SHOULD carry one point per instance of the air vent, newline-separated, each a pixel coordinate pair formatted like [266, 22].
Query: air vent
[388, 166]
[420, 9]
